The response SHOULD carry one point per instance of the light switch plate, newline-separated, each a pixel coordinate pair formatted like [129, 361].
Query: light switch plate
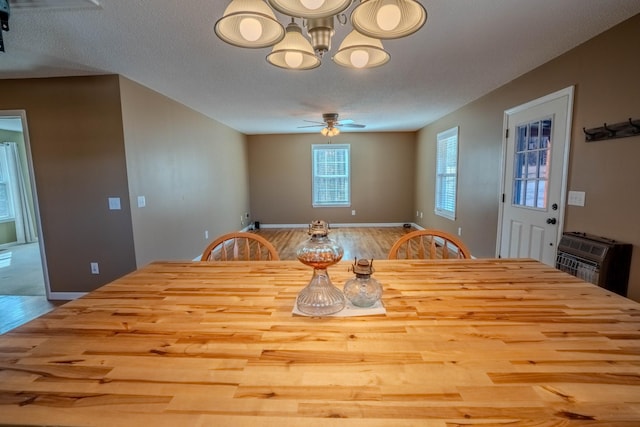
[114, 203]
[142, 202]
[576, 198]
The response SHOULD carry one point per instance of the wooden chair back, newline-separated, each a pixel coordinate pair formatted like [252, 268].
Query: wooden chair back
[429, 244]
[240, 246]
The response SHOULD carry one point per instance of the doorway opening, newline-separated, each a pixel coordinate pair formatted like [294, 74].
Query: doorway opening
[22, 260]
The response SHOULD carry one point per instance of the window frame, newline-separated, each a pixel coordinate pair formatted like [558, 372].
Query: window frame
[315, 190]
[444, 159]
[5, 181]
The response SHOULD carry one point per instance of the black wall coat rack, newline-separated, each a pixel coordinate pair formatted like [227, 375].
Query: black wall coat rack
[617, 130]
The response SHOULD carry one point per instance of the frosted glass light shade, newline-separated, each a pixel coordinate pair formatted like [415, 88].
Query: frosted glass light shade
[250, 24]
[360, 51]
[294, 52]
[330, 131]
[310, 9]
[388, 19]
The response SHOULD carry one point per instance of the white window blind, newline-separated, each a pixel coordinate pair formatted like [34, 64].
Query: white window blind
[446, 173]
[331, 183]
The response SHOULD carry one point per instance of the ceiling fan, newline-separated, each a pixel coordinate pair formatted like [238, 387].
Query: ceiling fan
[330, 123]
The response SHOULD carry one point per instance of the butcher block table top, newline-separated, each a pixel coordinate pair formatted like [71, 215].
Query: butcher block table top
[463, 342]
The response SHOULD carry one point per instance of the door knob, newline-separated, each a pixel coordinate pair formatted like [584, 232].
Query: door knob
[551, 221]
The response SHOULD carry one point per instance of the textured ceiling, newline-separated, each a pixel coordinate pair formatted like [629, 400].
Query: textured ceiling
[465, 50]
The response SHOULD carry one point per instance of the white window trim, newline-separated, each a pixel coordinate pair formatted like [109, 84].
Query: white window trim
[320, 147]
[5, 174]
[442, 139]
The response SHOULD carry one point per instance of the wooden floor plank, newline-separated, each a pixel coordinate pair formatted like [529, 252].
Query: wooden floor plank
[16, 310]
[360, 242]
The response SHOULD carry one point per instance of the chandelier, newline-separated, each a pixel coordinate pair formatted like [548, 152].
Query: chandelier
[253, 24]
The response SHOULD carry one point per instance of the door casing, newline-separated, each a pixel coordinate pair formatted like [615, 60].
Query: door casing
[568, 92]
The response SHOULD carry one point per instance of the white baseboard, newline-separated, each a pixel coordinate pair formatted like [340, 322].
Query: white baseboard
[336, 225]
[65, 296]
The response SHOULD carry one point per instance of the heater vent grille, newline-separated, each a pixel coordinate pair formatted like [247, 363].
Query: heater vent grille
[598, 260]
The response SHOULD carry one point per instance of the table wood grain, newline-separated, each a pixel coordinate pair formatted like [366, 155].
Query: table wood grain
[463, 342]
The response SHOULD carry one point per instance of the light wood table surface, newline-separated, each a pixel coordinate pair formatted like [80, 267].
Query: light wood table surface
[464, 342]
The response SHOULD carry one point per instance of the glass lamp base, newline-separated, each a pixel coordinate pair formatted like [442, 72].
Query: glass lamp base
[320, 297]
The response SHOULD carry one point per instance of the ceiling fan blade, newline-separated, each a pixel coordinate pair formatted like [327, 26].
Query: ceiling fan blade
[313, 121]
[345, 121]
[312, 126]
[351, 125]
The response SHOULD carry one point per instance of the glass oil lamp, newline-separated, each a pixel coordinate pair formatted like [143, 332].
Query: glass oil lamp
[362, 290]
[320, 297]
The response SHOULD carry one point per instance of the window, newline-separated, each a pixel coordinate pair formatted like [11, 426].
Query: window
[446, 173]
[6, 201]
[331, 184]
[531, 164]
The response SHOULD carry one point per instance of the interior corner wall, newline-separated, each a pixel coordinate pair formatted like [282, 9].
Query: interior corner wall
[607, 89]
[77, 147]
[382, 178]
[191, 170]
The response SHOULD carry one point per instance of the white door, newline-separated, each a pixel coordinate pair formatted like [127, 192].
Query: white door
[534, 181]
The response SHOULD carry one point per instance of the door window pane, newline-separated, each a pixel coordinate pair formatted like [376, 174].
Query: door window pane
[531, 163]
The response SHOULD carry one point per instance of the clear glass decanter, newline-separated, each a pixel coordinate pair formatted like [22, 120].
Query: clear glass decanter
[363, 290]
[320, 297]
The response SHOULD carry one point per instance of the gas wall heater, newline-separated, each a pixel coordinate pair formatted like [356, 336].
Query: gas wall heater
[598, 260]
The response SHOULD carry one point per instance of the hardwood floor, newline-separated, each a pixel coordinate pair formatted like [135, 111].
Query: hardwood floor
[16, 310]
[360, 242]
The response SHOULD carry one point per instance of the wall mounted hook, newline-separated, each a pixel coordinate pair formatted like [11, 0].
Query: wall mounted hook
[588, 135]
[612, 132]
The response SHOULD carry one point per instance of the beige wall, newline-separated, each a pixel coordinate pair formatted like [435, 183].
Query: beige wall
[191, 170]
[607, 89]
[77, 146]
[102, 136]
[382, 178]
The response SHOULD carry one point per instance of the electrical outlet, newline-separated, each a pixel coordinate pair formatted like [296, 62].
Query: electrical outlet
[206, 234]
[353, 212]
[459, 231]
[94, 268]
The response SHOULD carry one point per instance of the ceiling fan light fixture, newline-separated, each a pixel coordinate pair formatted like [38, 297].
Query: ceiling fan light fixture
[388, 19]
[330, 131]
[294, 52]
[249, 24]
[359, 51]
[310, 9]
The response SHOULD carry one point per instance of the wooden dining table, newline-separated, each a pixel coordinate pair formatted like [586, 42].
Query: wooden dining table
[477, 342]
